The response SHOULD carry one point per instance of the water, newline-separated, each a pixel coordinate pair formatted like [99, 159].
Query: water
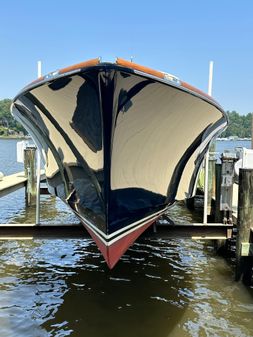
[159, 288]
[13, 208]
[230, 145]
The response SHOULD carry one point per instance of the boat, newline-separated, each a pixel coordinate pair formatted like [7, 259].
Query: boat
[120, 141]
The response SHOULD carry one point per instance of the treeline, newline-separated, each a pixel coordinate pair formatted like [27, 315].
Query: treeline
[8, 125]
[239, 125]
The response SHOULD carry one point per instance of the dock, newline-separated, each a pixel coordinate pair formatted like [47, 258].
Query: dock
[14, 182]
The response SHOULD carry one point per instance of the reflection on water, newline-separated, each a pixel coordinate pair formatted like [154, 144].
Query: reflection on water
[159, 288]
[53, 210]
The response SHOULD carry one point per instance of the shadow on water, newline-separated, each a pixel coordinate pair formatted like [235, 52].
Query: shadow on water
[137, 298]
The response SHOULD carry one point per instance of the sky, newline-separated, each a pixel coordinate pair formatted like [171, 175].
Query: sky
[178, 37]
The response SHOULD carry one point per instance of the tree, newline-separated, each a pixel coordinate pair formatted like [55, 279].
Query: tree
[239, 125]
[6, 119]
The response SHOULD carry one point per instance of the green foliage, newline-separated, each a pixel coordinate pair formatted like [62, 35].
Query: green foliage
[6, 119]
[3, 131]
[239, 125]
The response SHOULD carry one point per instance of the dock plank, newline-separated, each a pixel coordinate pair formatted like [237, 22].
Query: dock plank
[14, 182]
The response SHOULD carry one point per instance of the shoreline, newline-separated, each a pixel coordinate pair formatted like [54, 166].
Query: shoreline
[233, 139]
[15, 137]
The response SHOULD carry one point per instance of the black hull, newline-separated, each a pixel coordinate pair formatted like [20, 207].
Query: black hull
[119, 146]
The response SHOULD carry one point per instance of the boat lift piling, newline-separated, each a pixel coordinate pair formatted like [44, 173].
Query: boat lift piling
[32, 166]
[30, 174]
[244, 240]
[38, 171]
[217, 211]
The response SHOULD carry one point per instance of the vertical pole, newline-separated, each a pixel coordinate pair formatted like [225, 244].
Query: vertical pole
[210, 80]
[210, 84]
[218, 215]
[220, 245]
[244, 264]
[30, 173]
[206, 188]
[39, 69]
[211, 183]
[37, 219]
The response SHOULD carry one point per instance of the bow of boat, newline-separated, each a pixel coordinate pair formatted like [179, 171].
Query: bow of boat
[121, 142]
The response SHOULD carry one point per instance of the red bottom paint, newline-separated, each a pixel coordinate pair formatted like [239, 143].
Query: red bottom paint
[113, 253]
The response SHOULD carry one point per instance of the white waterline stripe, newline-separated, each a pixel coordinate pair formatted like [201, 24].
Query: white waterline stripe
[96, 233]
[130, 231]
[122, 235]
[122, 229]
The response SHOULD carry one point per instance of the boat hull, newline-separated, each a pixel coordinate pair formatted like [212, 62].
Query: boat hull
[119, 146]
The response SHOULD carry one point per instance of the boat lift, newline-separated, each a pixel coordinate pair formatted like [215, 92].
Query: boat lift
[31, 179]
[224, 229]
[203, 230]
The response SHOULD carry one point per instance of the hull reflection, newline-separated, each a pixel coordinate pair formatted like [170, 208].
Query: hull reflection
[120, 142]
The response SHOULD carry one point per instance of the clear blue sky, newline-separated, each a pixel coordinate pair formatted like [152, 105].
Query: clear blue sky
[179, 37]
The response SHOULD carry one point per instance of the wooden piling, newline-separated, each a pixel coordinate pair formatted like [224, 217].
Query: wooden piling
[218, 214]
[244, 258]
[30, 173]
[211, 185]
[220, 245]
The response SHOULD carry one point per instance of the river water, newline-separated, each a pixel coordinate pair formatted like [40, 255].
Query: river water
[159, 288]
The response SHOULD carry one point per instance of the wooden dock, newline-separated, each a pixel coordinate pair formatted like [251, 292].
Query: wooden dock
[14, 182]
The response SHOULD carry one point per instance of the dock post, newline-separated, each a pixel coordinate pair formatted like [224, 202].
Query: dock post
[244, 254]
[220, 245]
[211, 183]
[37, 219]
[30, 173]
[218, 215]
[205, 210]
